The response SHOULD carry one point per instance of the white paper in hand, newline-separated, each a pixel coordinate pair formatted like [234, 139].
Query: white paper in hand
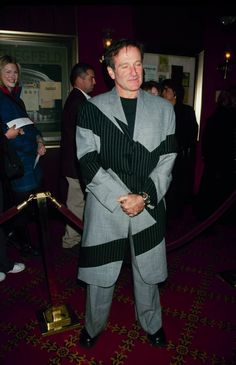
[19, 122]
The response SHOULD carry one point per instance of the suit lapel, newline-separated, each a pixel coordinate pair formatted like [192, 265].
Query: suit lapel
[110, 105]
[116, 109]
[140, 116]
[113, 109]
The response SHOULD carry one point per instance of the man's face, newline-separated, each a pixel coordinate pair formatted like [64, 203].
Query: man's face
[127, 72]
[86, 82]
[169, 94]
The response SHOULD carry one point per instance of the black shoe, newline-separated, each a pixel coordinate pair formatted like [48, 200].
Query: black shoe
[29, 251]
[85, 340]
[158, 339]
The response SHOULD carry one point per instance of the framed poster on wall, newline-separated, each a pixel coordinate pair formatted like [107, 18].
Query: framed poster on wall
[159, 67]
[46, 61]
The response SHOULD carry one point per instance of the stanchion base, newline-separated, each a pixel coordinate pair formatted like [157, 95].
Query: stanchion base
[229, 277]
[57, 319]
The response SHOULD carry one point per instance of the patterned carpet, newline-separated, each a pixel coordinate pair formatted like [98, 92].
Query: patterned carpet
[199, 314]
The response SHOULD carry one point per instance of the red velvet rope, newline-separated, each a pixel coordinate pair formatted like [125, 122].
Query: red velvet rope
[170, 246]
[202, 226]
[71, 216]
[8, 214]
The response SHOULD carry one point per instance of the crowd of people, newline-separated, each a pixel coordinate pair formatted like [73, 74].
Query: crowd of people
[128, 158]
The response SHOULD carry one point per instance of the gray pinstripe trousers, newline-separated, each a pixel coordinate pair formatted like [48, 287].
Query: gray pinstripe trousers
[147, 303]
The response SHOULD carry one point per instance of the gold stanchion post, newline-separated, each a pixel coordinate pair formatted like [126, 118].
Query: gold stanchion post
[57, 318]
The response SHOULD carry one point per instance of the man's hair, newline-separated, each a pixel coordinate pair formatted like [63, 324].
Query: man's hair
[79, 69]
[148, 85]
[177, 88]
[116, 46]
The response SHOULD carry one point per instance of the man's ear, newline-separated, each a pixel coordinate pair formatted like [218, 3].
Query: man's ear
[111, 72]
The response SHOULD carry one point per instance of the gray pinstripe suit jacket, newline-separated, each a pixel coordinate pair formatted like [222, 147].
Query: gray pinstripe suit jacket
[113, 164]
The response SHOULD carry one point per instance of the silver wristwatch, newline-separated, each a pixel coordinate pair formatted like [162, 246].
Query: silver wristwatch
[146, 197]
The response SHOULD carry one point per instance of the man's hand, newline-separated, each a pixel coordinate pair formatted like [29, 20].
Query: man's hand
[41, 148]
[131, 204]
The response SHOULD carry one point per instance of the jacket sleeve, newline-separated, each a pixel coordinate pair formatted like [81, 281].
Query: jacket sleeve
[105, 185]
[160, 177]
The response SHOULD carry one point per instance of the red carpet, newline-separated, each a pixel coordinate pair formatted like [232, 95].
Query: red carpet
[199, 310]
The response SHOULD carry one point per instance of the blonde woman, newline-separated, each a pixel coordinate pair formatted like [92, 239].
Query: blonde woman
[28, 144]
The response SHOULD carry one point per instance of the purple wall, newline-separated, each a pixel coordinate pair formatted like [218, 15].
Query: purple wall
[92, 22]
[217, 39]
[41, 19]
[86, 22]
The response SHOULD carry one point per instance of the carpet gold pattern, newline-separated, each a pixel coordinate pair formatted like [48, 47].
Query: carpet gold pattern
[199, 313]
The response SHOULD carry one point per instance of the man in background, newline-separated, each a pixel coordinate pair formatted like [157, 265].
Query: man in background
[181, 188]
[82, 79]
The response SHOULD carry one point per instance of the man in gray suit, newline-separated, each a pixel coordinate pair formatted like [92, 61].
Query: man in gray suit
[126, 147]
